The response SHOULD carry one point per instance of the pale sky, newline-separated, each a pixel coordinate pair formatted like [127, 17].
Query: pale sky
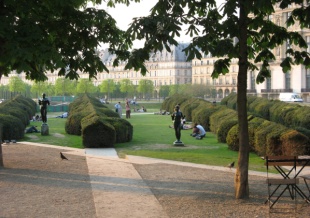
[123, 15]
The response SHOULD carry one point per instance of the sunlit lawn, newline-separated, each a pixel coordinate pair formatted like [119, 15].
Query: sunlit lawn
[152, 138]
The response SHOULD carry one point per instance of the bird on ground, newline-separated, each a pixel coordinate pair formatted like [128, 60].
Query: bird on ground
[231, 165]
[63, 157]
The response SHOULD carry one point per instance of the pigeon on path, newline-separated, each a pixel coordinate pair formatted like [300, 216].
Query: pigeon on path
[63, 157]
[231, 165]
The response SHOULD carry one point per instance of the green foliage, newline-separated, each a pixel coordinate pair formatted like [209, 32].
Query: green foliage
[21, 106]
[16, 84]
[145, 87]
[294, 143]
[224, 128]
[123, 129]
[189, 107]
[202, 114]
[95, 122]
[107, 86]
[233, 138]
[219, 116]
[126, 86]
[260, 107]
[52, 35]
[230, 101]
[85, 86]
[164, 91]
[97, 134]
[14, 117]
[171, 102]
[12, 127]
[73, 123]
[303, 131]
[64, 86]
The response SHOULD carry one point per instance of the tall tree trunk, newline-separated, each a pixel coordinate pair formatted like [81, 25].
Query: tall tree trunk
[1, 156]
[241, 176]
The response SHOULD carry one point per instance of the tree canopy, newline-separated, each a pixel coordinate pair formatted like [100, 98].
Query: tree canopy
[57, 35]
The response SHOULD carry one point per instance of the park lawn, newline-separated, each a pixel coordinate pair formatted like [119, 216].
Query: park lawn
[57, 134]
[152, 137]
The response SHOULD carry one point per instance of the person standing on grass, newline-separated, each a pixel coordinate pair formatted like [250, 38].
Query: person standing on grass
[118, 109]
[127, 110]
[177, 117]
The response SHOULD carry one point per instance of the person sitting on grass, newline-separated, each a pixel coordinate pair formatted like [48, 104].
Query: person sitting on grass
[32, 129]
[200, 132]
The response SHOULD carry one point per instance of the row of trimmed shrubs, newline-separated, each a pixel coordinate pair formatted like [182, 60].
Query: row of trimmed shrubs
[15, 115]
[294, 116]
[99, 126]
[266, 138]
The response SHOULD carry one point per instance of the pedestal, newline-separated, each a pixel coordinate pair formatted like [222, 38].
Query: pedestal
[44, 129]
[178, 143]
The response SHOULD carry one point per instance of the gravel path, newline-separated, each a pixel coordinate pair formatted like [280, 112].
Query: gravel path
[36, 183]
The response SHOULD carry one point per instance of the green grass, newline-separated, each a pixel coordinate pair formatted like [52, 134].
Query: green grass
[153, 138]
[57, 134]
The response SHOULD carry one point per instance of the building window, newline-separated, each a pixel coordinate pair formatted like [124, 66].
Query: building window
[287, 80]
[307, 78]
[308, 43]
[268, 83]
[220, 81]
[288, 46]
[278, 51]
[214, 82]
[234, 81]
[252, 77]
[208, 81]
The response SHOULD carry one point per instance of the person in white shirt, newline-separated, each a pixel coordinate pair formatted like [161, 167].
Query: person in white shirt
[202, 131]
[118, 109]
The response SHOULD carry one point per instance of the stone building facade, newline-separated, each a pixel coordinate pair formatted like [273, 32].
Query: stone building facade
[297, 80]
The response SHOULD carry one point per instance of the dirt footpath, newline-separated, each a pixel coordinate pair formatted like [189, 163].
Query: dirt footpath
[37, 183]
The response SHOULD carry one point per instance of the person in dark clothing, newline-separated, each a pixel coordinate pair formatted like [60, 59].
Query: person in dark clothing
[32, 129]
[177, 117]
[44, 102]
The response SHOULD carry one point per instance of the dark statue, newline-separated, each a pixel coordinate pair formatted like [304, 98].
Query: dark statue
[44, 102]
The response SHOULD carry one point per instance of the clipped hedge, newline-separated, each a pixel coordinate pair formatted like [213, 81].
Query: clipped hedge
[98, 125]
[12, 127]
[202, 114]
[15, 116]
[219, 116]
[269, 138]
[288, 114]
[171, 102]
[96, 133]
[224, 128]
[294, 143]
